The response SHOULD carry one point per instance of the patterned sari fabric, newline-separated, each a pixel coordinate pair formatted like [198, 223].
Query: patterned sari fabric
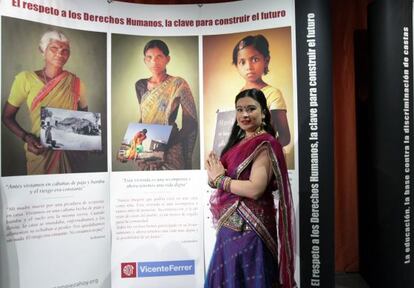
[160, 106]
[61, 92]
[255, 241]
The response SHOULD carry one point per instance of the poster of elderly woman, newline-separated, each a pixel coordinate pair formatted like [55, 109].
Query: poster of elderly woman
[54, 67]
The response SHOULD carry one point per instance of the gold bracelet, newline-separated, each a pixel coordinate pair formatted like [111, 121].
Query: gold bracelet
[223, 183]
[216, 180]
[226, 185]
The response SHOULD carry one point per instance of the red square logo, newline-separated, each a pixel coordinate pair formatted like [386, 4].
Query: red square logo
[129, 270]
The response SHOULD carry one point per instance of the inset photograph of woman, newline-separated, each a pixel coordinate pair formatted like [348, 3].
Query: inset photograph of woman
[145, 144]
[155, 81]
[50, 67]
[256, 59]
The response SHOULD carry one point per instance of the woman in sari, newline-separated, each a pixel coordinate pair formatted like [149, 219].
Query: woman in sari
[136, 144]
[254, 246]
[159, 98]
[251, 56]
[49, 87]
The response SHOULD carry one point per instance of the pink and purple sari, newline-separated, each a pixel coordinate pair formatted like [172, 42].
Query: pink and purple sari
[255, 241]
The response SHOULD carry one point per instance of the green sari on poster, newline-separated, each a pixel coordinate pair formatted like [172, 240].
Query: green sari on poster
[160, 106]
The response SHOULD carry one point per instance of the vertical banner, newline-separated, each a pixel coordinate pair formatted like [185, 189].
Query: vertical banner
[315, 143]
[55, 220]
[389, 214]
[156, 180]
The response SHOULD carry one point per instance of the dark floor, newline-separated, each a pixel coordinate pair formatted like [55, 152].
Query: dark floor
[349, 280]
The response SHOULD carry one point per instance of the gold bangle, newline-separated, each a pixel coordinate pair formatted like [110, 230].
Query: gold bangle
[217, 179]
[226, 185]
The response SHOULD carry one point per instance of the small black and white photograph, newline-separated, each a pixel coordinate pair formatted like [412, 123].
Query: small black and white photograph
[144, 145]
[63, 129]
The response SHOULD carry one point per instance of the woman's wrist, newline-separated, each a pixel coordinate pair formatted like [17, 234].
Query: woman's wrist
[217, 179]
[23, 137]
[213, 182]
[27, 136]
[221, 182]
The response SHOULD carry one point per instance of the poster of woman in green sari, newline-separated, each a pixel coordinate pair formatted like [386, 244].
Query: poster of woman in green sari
[160, 87]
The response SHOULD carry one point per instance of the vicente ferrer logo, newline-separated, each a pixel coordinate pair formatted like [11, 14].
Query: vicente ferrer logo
[166, 268]
[129, 270]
